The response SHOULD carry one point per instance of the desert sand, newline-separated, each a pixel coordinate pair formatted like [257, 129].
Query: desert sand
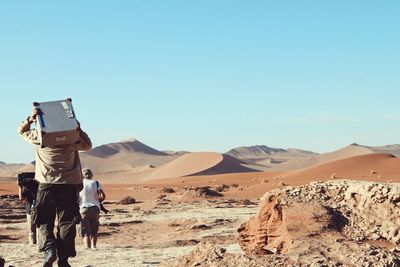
[212, 209]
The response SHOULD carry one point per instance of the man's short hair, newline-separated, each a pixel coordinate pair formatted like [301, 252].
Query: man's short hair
[87, 173]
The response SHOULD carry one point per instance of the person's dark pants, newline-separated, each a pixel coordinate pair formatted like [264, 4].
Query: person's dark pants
[60, 200]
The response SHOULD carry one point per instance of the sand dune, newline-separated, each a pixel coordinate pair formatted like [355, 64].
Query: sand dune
[130, 161]
[130, 145]
[190, 164]
[370, 167]
[273, 159]
[376, 166]
[10, 170]
[391, 149]
[264, 158]
[104, 165]
[348, 151]
[263, 152]
[200, 163]
[130, 155]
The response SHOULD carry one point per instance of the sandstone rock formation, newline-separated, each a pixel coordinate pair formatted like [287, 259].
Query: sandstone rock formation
[207, 254]
[329, 223]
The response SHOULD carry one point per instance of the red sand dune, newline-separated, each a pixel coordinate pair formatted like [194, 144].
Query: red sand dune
[369, 166]
[348, 151]
[201, 163]
[188, 164]
[104, 165]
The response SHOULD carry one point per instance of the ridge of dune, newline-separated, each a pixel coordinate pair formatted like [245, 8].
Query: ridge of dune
[348, 151]
[361, 166]
[10, 169]
[199, 163]
[391, 149]
[263, 152]
[104, 165]
[187, 164]
[129, 155]
[228, 164]
[131, 145]
[257, 151]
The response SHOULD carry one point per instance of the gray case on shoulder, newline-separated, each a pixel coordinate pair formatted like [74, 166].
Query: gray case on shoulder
[56, 123]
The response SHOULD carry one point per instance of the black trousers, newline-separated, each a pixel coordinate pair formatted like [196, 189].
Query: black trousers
[60, 200]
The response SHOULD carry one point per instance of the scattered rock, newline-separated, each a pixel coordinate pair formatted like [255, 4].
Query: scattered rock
[168, 190]
[222, 221]
[136, 208]
[203, 191]
[247, 202]
[280, 184]
[183, 243]
[222, 188]
[10, 196]
[200, 227]
[127, 200]
[147, 212]
[210, 255]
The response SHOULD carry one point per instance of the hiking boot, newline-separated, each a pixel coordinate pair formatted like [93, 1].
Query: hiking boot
[63, 263]
[49, 257]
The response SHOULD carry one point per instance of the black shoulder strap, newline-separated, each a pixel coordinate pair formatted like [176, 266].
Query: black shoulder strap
[97, 184]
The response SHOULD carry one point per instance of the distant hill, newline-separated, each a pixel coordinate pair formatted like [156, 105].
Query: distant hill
[127, 146]
[273, 159]
[129, 155]
[174, 153]
[361, 167]
[10, 169]
[134, 157]
[190, 164]
[351, 150]
[389, 149]
[265, 158]
[258, 151]
[262, 152]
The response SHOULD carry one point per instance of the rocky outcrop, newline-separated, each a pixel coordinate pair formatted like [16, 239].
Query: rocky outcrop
[202, 192]
[326, 223]
[207, 254]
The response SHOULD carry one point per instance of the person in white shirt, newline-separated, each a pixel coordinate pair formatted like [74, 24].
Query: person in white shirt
[89, 206]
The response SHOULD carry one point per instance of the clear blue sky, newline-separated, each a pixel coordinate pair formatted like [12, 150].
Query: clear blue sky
[206, 75]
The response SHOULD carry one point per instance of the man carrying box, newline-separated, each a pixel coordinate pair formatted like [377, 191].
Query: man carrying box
[58, 171]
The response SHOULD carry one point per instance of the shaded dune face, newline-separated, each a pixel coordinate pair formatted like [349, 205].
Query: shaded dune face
[199, 163]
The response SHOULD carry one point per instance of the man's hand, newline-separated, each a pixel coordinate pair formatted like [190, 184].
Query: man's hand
[33, 116]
